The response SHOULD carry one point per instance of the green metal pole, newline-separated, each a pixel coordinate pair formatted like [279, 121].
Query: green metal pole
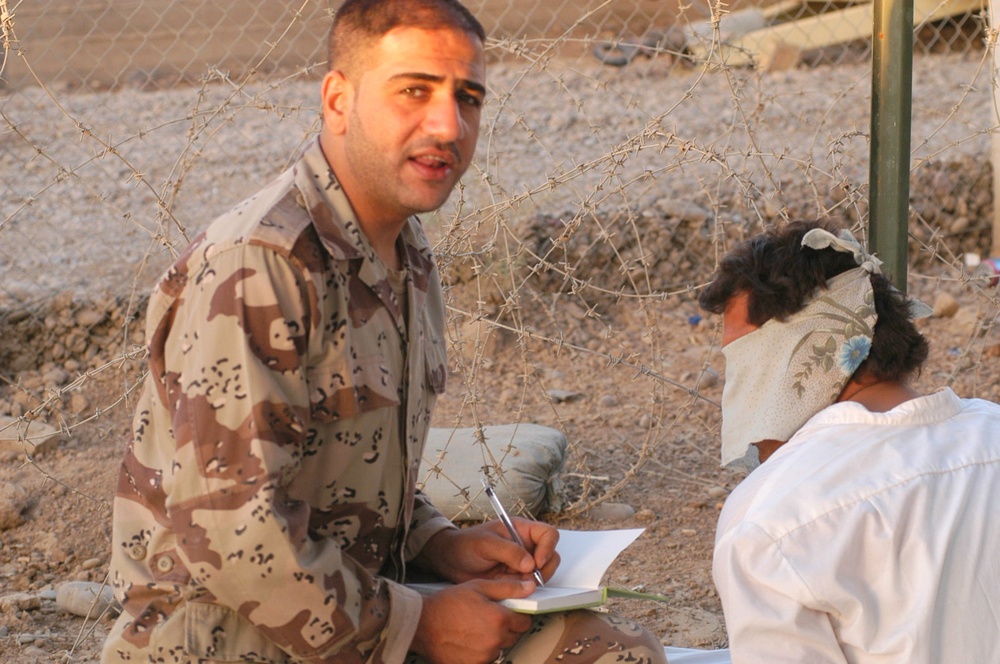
[889, 170]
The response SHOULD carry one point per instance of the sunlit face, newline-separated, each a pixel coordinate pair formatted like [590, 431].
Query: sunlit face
[407, 127]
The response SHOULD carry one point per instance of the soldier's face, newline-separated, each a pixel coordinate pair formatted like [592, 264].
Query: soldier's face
[413, 121]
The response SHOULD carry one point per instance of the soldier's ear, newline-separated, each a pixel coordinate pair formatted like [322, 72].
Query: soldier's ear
[337, 94]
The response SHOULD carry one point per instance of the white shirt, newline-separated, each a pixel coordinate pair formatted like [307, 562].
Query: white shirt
[869, 537]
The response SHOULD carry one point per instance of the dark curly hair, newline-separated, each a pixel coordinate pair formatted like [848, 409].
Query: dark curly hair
[780, 277]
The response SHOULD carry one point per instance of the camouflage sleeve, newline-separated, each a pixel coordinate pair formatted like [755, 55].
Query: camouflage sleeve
[426, 523]
[238, 402]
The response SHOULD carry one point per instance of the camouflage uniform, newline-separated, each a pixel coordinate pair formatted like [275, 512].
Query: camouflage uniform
[267, 502]
[269, 488]
[582, 637]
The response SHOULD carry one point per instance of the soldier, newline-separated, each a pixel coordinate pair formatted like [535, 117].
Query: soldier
[267, 509]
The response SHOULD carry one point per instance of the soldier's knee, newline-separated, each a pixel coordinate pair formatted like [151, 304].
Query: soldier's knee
[587, 637]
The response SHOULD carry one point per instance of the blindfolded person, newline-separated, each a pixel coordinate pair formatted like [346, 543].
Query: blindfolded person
[865, 531]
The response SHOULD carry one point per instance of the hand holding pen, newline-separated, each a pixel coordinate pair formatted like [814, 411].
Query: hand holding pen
[505, 519]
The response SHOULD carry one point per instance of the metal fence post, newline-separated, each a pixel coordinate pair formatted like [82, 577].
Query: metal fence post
[994, 22]
[889, 168]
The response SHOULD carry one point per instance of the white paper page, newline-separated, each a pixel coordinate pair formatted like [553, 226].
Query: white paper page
[549, 592]
[587, 554]
[543, 597]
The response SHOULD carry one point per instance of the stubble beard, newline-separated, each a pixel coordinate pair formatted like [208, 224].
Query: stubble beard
[381, 180]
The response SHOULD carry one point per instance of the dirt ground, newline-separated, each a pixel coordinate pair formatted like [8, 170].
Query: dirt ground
[611, 421]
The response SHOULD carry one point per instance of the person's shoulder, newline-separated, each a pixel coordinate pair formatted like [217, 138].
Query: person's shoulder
[977, 424]
[958, 411]
[275, 216]
[984, 406]
[271, 223]
[745, 499]
[791, 488]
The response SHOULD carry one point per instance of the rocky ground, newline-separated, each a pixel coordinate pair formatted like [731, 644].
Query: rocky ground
[56, 522]
[632, 379]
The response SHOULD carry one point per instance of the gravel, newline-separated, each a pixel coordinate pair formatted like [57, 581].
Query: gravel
[561, 139]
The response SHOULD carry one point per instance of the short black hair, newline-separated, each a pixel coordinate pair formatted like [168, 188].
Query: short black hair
[780, 277]
[358, 24]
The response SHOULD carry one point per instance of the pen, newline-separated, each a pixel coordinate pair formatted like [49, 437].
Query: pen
[502, 515]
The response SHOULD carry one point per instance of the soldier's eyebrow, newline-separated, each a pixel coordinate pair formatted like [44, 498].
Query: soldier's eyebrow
[463, 83]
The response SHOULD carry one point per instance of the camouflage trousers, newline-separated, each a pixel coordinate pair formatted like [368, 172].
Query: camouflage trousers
[582, 637]
[572, 637]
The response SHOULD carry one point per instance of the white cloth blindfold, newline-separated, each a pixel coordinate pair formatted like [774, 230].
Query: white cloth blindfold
[783, 373]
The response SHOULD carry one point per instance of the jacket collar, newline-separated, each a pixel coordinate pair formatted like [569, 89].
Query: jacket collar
[339, 231]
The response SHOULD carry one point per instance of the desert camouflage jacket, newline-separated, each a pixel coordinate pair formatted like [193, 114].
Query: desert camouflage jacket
[266, 502]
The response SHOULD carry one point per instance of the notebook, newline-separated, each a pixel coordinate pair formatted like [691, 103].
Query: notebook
[585, 557]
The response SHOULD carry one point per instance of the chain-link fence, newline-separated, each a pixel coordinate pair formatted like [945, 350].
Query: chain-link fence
[624, 147]
[102, 44]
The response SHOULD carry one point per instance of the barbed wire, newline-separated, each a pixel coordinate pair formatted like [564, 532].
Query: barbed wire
[543, 260]
[600, 201]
